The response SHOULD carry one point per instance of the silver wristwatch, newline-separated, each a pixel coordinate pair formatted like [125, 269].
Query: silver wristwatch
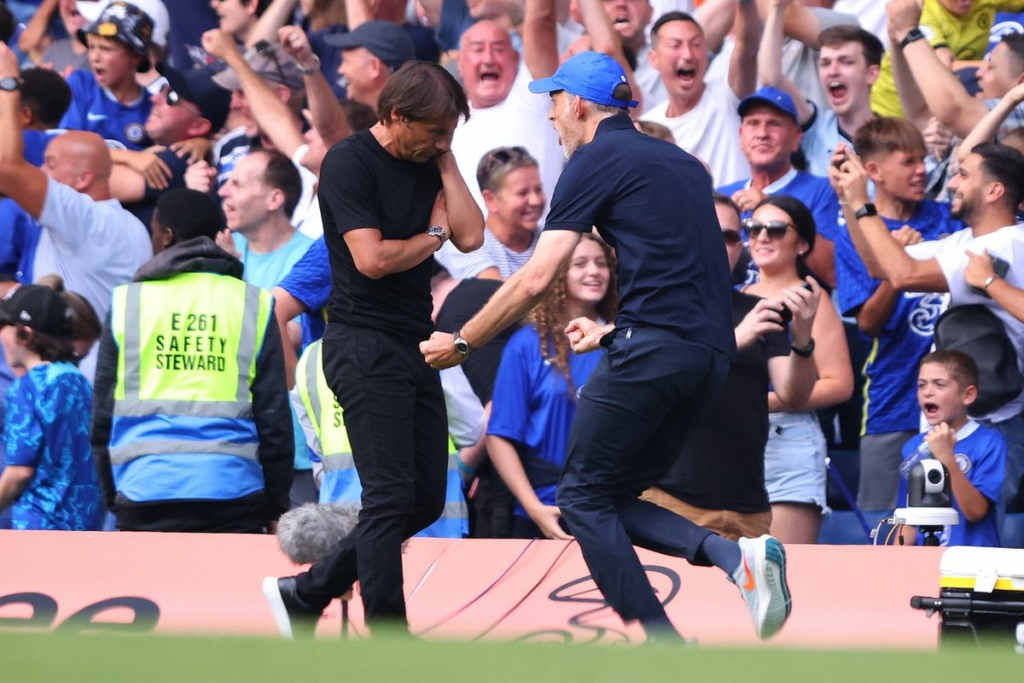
[438, 232]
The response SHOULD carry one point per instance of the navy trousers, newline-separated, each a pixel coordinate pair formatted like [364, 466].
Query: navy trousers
[635, 411]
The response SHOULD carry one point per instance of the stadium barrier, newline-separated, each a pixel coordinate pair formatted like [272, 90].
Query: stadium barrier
[844, 596]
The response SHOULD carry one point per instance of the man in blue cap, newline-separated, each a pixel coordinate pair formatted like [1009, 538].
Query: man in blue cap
[769, 135]
[667, 353]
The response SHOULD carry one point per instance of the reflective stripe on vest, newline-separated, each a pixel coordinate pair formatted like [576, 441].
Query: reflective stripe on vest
[341, 481]
[188, 349]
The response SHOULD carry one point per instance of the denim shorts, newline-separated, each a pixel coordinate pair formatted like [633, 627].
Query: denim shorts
[794, 459]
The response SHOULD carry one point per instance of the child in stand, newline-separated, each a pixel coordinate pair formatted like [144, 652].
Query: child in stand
[974, 455]
[49, 479]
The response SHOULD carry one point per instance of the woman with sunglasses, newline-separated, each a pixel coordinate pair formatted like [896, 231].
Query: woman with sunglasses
[537, 384]
[782, 234]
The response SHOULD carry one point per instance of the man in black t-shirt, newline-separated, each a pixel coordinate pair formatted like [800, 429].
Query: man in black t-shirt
[390, 197]
[718, 481]
[667, 353]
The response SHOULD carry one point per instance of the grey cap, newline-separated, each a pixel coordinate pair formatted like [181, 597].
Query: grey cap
[389, 42]
[270, 62]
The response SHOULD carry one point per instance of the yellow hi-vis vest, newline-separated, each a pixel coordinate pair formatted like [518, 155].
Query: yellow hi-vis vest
[340, 483]
[183, 425]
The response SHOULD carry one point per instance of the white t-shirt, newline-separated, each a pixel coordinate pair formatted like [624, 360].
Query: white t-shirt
[710, 131]
[306, 218]
[1006, 243]
[521, 119]
[94, 246]
[492, 254]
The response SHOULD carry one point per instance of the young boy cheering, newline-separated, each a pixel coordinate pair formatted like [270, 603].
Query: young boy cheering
[947, 383]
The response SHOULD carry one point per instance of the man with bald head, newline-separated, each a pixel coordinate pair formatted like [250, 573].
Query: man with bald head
[88, 237]
[503, 112]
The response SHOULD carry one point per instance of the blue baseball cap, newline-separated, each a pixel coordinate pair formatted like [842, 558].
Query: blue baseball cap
[590, 75]
[772, 97]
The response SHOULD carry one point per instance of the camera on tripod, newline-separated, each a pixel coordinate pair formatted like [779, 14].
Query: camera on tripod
[929, 500]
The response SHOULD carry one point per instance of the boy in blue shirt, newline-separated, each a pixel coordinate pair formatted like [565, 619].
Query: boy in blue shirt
[974, 455]
[107, 99]
[49, 479]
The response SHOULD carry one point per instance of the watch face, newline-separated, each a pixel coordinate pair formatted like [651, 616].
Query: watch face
[9, 83]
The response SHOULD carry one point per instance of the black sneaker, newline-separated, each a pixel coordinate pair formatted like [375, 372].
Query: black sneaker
[293, 616]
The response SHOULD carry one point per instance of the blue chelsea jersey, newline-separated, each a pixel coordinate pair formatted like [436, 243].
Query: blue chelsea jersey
[890, 392]
[94, 108]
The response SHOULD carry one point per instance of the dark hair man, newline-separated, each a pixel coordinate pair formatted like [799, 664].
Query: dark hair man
[660, 379]
[381, 258]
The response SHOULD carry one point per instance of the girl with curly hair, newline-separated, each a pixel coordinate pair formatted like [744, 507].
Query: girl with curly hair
[537, 385]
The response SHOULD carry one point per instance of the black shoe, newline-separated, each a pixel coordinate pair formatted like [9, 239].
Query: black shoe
[293, 616]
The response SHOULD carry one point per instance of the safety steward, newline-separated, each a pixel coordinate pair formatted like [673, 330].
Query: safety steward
[334, 470]
[187, 429]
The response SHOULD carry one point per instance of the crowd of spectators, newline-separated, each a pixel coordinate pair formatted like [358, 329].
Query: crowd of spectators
[866, 156]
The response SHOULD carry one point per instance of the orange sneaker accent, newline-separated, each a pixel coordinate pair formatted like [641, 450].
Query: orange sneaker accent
[750, 584]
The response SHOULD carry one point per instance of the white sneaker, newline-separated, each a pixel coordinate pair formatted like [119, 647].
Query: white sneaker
[761, 578]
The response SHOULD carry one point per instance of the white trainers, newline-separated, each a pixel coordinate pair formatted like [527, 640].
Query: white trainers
[761, 578]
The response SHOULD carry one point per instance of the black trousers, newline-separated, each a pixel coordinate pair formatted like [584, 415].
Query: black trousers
[398, 429]
[635, 411]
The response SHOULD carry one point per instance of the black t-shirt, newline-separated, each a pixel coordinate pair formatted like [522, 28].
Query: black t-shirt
[144, 210]
[462, 303]
[722, 464]
[363, 186]
[652, 202]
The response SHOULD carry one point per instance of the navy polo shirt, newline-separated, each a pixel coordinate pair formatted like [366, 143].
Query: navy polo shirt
[652, 202]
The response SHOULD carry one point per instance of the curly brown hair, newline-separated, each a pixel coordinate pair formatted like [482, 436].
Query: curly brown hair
[550, 316]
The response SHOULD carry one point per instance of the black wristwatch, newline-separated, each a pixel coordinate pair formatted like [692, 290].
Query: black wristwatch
[913, 35]
[804, 352]
[461, 345]
[10, 84]
[866, 210]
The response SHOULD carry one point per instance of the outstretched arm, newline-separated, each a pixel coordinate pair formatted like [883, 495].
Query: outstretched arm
[769, 59]
[19, 180]
[743, 66]
[540, 49]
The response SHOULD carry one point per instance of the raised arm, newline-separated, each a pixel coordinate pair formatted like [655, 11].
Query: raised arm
[357, 12]
[276, 15]
[606, 40]
[794, 377]
[465, 220]
[990, 123]
[883, 256]
[743, 65]
[33, 38]
[769, 59]
[270, 111]
[19, 180]
[716, 18]
[326, 113]
[919, 63]
[540, 45]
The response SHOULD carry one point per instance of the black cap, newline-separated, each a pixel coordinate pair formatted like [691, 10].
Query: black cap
[389, 42]
[39, 308]
[198, 87]
[125, 23]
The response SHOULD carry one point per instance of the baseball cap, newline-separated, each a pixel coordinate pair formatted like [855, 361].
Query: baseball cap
[125, 23]
[389, 42]
[198, 87]
[40, 308]
[590, 75]
[270, 62]
[774, 97]
[157, 11]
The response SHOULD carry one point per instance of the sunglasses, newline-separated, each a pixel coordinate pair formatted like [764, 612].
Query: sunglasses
[732, 237]
[176, 100]
[776, 229]
[507, 154]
